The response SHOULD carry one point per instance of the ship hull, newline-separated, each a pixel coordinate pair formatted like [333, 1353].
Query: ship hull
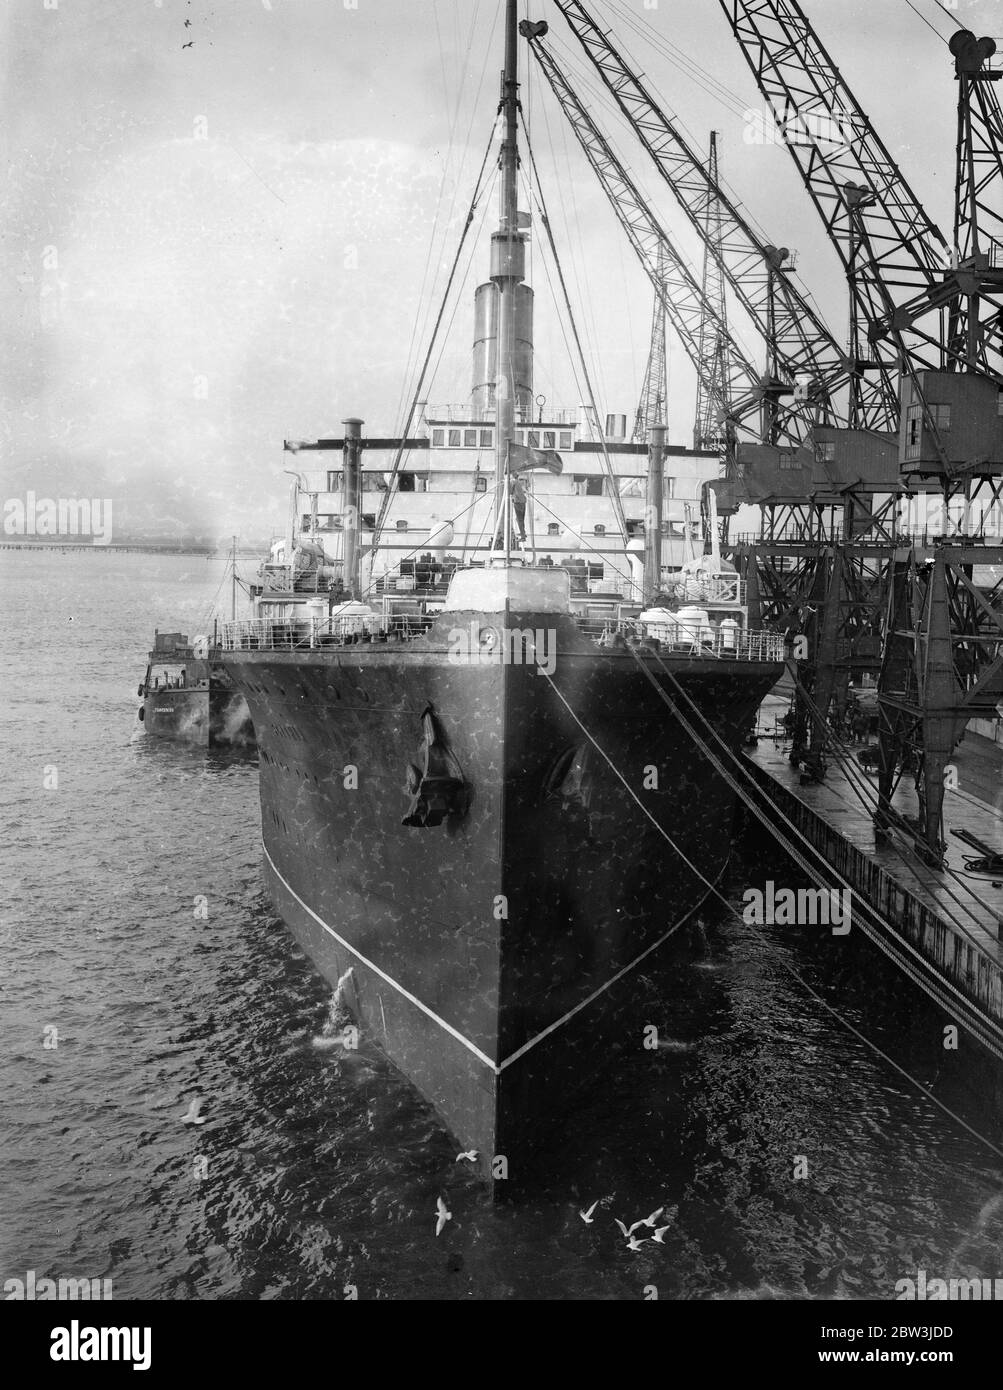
[210, 718]
[485, 948]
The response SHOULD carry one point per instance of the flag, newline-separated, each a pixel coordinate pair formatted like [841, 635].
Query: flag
[521, 459]
[524, 219]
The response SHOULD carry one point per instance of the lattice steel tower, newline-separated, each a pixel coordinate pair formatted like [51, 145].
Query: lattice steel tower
[653, 407]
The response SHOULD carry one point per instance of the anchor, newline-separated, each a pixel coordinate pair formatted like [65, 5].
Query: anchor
[439, 790]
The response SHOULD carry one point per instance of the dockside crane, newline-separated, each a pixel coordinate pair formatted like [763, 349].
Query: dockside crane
[676, 285]
[653, 406]
[805, 360]
[935, 313]
[712, 406]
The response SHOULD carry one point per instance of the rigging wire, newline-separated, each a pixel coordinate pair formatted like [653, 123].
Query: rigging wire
[423, 544]
[588, 325]
[606, 562]
[438, 323]
[653, 38]
[926, 21]
[444, 337]
[617, 501]
[422, 314]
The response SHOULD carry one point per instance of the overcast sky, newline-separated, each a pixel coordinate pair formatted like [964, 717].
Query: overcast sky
[228, 222]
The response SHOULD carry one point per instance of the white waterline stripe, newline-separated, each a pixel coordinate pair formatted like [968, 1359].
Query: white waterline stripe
[382, 973]
[551, 1027]
[520, 1052]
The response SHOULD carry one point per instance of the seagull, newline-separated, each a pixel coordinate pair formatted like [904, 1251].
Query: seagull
[587, 1215]
[470, 1156]
[659, 1235]
[633, 1244]
[192, 1117]
[650, 1220]
[189, 44]
[628, 1231]
[442, 1216]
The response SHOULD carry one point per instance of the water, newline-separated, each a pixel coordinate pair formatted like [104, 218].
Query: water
[317, 1168]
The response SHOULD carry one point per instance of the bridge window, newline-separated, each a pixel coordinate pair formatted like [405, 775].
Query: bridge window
[534, 439]
[567, 439]
[438, 438]
[549, 439]
[470, 439]
[455, 439]
[487, 439]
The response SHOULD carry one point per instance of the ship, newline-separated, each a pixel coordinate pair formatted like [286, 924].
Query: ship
[487, 791]
[187, 695]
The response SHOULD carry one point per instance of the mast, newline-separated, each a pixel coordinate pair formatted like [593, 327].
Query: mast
[508, 259]
[233, 581]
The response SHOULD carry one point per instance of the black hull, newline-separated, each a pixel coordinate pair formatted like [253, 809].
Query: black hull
[481, 947]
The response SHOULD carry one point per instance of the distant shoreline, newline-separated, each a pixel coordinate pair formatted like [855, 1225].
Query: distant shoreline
[145, 547]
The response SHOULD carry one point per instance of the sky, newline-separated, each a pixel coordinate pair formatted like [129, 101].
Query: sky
[230, 222]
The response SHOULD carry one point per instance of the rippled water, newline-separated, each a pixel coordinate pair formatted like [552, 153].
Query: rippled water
[317, 1170]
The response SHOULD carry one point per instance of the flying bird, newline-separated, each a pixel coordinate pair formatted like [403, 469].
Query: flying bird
[188, 44]
[587, 1215]
[192, 1116]
[470, 1156]
[442, 1216]
[659, 1235]
[650, 1220]
[634, 1244]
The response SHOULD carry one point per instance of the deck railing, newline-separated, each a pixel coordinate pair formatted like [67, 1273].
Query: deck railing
[269, 634]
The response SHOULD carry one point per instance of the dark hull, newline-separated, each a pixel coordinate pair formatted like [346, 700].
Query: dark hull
[481, 947]
[209, 718]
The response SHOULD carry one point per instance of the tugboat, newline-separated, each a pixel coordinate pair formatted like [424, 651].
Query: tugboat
[187, 695]
[487, 797]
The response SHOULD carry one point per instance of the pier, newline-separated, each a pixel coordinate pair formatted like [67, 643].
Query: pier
[942, 927]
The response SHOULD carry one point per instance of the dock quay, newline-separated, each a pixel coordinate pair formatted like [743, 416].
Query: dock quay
[943, 928]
